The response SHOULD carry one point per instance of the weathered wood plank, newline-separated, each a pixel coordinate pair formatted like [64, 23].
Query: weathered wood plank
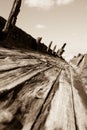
[17, 58]
[80, 100]
[5, 65]
[14, 74]
[23, 75]
[37, 105]
[9, 64]
[36, 95]
[29, 98]
[57, 113]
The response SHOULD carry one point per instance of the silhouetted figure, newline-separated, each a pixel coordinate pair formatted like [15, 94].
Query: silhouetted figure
[13, 15]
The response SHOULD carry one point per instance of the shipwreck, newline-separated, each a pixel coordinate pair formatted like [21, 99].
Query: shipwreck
[39, 89]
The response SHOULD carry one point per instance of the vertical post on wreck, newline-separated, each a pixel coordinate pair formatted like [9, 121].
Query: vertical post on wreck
[63, 46]
[61, 51]
[80, 59]
[13, 15]
[53, 51]
[49, 47]
[38, 40]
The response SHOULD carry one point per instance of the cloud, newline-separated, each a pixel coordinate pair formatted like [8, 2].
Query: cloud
[64, 2]
[46, 4]
[40, 26]
[40, 3]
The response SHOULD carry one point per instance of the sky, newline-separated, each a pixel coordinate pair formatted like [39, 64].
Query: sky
[60, 21]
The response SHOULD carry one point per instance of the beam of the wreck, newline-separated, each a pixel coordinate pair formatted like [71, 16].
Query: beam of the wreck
[13, 15]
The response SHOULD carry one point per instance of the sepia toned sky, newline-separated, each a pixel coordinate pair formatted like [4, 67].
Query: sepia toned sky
[59, 21]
